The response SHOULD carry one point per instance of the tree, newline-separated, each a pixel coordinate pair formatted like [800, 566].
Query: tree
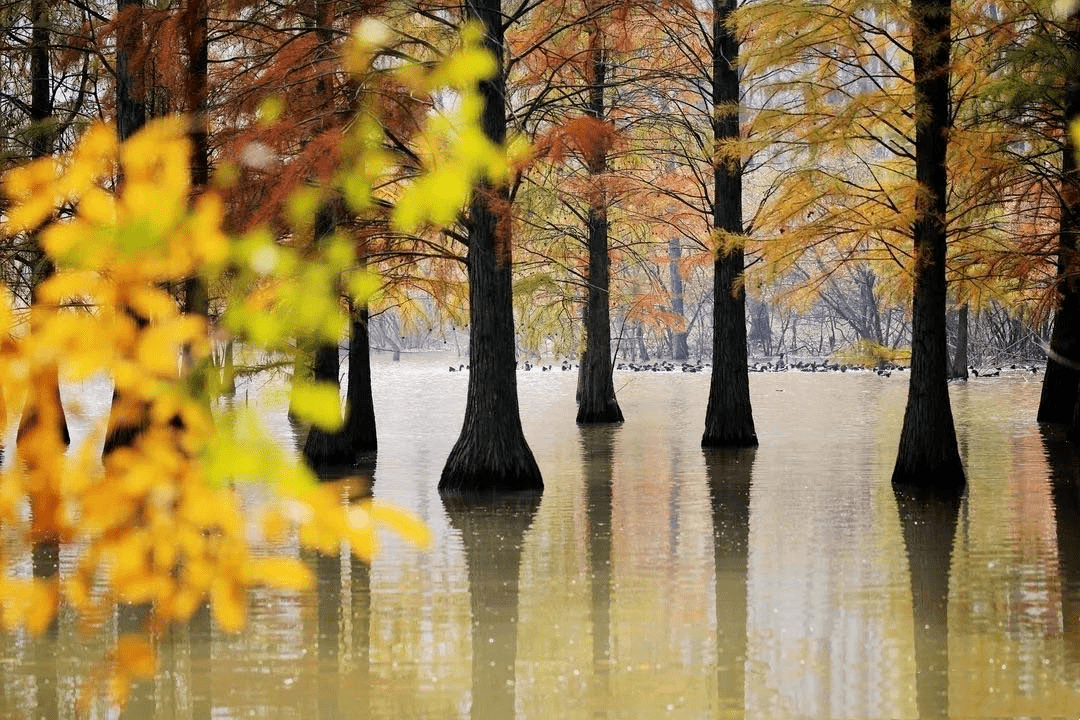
[729, 419]
[1059, 400]
[491, 454]
[596, 399]
[929, 456]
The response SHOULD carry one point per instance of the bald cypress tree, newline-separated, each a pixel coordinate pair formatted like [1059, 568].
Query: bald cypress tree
[491, 455]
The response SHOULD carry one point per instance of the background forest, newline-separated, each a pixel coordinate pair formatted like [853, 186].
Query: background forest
[613, 102]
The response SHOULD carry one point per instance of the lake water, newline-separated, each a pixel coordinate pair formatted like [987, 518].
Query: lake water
[653, 579]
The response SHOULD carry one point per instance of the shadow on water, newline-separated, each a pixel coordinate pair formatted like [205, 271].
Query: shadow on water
[492, 531]
[1065, 491]
[929, 525]
[729, 474]
[597, 460]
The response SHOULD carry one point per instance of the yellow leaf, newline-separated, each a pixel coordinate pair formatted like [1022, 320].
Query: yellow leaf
[284, 573]
[229, 604]
[135, 657]
[317, 403]
[405, 524]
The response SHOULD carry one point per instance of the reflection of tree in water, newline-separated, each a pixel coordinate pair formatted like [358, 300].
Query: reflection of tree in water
[729, 474]
[1065, 490]
[929, 524]
[46, 564]
[492, 532]
[333, 645]
[597, 458]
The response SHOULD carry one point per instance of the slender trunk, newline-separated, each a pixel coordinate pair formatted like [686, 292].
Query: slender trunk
[196, 291]
[1062, 378]
[959, 369]
[596, 397]
[928, 457]
[679, 350]
[130, 117]
[643, 351]
[729, 419]
[491, 455]
[46, 389]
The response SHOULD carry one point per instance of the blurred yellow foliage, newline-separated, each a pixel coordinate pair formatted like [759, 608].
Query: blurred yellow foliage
[160, 522]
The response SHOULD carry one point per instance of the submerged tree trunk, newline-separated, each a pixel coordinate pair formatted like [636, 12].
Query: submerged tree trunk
[491, 455]
[596, 398]
[47, 387]
[126, 421]
[1062, 378]
[928, 457]
[729, 419]
[959, 368]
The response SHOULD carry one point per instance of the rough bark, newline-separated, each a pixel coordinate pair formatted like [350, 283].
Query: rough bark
[729, 418]
[493, 533]
[929, 524]
[1062, 378]
[729, 473]
[491, 455]
[596, 394]
[928, 457]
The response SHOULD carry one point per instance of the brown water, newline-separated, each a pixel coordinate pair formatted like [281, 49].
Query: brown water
[655, 580]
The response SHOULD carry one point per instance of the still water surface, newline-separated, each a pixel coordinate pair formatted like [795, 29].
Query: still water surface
[653, 579]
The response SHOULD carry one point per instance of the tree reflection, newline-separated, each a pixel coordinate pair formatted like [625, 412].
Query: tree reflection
[333, 643]
[45, 558]
[493, 531]
[1065, 491]
[729, 474]
[597, 459]
[929, 525]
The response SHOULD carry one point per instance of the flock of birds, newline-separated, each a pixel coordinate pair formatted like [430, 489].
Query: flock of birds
[884, 370]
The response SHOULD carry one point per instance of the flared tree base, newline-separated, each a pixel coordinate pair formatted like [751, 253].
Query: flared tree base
[336, 454]
[606, 414]
[927, 479]
[729, 435]
[479, 467]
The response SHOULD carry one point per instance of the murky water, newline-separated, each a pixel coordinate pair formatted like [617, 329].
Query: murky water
[655, 580]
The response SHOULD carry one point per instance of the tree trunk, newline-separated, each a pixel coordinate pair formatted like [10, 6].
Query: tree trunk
[959, 369]
[47, 388]
[359, 428]
[679, 350]
[1062, 378]
[729, 419]
[491, 455]
[596, 401]
[130, 117]
[929, 458]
